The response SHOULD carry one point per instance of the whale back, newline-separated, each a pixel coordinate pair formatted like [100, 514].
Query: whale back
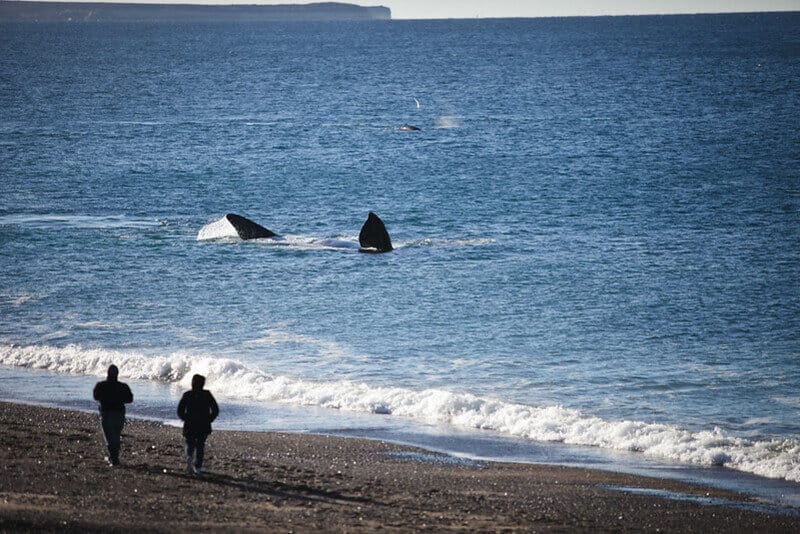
[247, 229]
[373, 236]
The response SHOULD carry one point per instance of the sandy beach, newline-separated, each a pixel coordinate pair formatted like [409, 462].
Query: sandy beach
[54, 478]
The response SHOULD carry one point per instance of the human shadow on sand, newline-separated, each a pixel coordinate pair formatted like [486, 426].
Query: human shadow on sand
[273, 488]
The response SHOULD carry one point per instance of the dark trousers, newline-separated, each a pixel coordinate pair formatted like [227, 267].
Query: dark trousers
[112, 430]
[195, 448]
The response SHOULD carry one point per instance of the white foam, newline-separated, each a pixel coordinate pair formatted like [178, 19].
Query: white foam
[56, 221]
[301, 242]
[445, 242]
[105, 325]
[776, 458]
[16, 300]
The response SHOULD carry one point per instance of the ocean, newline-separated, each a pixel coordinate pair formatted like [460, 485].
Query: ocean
[596, 231]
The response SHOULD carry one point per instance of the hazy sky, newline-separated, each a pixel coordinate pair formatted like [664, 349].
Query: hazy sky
[426, 9]
[413, 9]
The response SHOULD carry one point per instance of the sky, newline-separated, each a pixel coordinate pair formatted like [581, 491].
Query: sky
[416, 9]
[444, 9]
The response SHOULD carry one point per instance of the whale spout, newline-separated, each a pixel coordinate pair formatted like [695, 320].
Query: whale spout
[373, 236]
[232, 225]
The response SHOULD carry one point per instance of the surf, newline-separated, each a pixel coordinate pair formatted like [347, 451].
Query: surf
[236, 380]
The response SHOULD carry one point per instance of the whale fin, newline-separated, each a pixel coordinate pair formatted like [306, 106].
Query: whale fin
[247, 229]
[232, 225]
[373, 236]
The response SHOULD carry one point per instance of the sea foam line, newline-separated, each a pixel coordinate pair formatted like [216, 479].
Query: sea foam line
[55, 221]
[777, 458]
[221, 232]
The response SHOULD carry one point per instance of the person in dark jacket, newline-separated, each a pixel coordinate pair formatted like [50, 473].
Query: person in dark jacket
[113, 395]
[197, 409]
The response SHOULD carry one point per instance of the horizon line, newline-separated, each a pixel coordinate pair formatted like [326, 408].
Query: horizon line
[393, 18]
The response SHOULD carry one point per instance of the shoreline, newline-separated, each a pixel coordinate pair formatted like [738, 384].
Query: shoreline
[54, 478]
[772, 492]
[748, 471]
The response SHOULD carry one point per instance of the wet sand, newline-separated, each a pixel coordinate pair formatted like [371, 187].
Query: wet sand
[53, 478]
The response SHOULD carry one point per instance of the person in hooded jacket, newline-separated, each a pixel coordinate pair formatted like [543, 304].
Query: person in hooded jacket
[113, 395]
[197, 409]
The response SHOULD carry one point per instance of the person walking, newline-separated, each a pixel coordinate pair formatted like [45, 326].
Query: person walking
[113, 395]
[197, 409]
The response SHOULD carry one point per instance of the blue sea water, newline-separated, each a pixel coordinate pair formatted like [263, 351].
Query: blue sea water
[597, 230]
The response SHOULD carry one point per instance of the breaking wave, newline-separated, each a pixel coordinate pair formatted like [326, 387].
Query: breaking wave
[776, 458]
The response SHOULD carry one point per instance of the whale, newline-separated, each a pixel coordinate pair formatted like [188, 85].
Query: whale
[233, 225]
[408, 128]
[373, 236]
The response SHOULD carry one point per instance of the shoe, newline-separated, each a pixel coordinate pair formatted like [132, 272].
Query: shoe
[198, 471]
[189, 467]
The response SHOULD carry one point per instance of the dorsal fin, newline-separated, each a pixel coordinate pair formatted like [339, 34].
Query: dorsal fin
[373, 236]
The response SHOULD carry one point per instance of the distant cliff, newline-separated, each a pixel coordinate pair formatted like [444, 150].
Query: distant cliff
[11, 11]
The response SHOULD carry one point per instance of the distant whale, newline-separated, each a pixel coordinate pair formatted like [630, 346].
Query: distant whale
[408, 128]
[232, 225]
[373, 236]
